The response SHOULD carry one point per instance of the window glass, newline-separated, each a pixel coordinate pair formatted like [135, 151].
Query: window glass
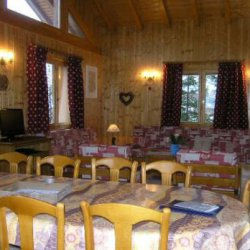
[23, 8]
[62, 93]
[51, 92]
[57, 94]
[211, 86]
[73, 27]
[190, 98]
[46, 11]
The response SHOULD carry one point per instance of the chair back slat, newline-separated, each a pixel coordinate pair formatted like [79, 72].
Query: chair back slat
[115, 164]
[14, 159]
[246, 194]
[19, 205]
[124, 216]
[59, 163]
[167, 169]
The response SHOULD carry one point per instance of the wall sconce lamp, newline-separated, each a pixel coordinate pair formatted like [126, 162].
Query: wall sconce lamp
[113, 128]
[6, 57]
[149, 76]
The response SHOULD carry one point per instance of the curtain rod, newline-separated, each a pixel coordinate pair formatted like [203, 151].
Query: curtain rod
[58, 52]
[209, 61]
[50, 50]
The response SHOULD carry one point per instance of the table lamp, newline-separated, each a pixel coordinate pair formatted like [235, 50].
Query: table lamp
[113, 128]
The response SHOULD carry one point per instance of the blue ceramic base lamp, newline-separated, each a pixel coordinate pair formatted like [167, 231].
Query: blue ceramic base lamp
[174, 148]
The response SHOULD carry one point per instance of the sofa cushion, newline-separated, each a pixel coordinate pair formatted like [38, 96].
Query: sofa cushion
[67, 141]
[202, 143]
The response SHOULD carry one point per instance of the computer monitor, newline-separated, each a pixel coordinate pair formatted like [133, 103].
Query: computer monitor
[11, 123]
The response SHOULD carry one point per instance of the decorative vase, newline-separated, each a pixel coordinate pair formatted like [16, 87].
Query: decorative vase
[174, 148]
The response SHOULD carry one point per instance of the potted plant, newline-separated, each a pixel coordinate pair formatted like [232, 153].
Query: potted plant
[176, 140]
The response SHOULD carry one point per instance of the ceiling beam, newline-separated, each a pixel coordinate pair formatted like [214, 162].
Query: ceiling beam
[83, 25]
[228, 11]
[165, 5]
[39, 12]
[26, 23]
[135, 14]
[196, 11]
[64, 16]
[3, 4]
[102, 13]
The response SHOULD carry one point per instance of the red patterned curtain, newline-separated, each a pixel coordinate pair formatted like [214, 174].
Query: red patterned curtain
[231, 98]
[76, 93]
[38, 108]
[172, 91]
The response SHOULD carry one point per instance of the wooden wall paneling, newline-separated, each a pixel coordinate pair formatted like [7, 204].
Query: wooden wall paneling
[228, 11]
[2, 4]
[212, 40]
[166, 10]
[126, 53]
[21, 21]
[64, 16]
[103, 14]
[16, 95]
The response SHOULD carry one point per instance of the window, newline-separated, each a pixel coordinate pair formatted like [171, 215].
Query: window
[74, 29]
[211, 87]
[190, 98]
[45, 11]
[198, 97]
[57, 94]
[23, 8]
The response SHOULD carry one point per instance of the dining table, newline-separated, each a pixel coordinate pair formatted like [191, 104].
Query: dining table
[229, 229]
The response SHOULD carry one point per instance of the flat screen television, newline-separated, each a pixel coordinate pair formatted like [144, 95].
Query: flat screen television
[11, 123]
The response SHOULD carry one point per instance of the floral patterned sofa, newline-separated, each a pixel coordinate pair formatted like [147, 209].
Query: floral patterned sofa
[155, 140]
[215, 154]
[67, 141]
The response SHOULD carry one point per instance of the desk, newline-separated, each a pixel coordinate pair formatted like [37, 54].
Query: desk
[40, 145]
[229, 230]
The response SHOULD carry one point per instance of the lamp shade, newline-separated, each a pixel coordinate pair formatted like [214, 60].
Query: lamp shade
[113, 128]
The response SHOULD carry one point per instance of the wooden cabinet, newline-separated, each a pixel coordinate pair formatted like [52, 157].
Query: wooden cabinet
[33, 143]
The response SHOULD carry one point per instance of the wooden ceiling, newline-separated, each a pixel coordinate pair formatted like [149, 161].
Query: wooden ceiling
[116, 13]
[87, 17]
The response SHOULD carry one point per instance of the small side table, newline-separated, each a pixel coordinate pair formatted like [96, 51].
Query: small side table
[158, 155]
[105, 150]
[88, 151]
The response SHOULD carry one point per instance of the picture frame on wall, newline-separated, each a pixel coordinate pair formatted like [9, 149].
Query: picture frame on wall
[91, 82]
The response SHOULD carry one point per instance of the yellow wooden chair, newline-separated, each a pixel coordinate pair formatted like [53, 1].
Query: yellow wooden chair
[26, 209]
[58, 162]
[115, 164]
[124, 216]
[246, 194]
[15, 159]
[167, 169]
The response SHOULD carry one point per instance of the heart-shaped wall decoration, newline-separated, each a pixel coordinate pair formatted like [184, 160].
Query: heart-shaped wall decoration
[126, 98]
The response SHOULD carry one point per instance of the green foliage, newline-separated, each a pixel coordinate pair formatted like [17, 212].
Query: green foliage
[177, 139]
[190, 97]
